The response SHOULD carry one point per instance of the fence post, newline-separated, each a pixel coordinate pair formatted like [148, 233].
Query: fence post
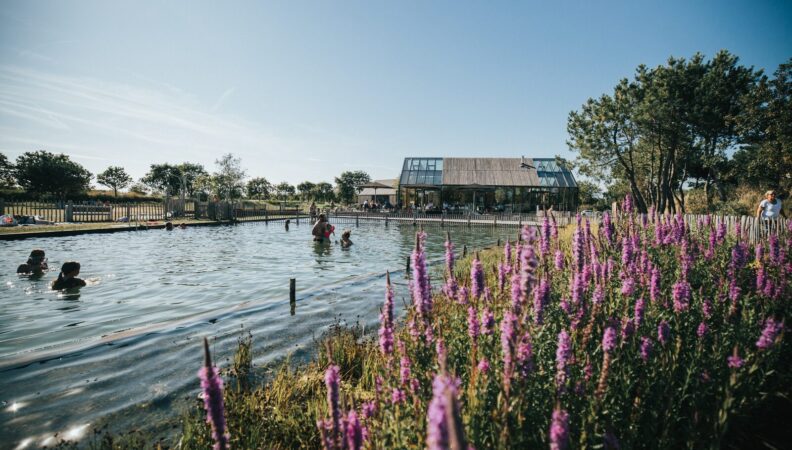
[69, 211]
[2, 206]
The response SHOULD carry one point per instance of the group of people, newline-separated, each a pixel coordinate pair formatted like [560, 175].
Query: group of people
[374, 205]
[36, 265]
[322, 230]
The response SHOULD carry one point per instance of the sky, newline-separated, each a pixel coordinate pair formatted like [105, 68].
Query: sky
[303, 90]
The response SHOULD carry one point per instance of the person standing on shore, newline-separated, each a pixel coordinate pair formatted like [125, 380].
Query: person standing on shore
[770, 208]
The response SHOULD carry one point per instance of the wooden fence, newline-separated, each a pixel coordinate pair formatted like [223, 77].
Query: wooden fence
[443, 219]
[168, 209]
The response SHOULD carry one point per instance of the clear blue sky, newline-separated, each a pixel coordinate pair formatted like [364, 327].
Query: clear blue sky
[304, 90]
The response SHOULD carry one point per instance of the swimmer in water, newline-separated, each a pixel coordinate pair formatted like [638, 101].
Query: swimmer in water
[169, 226]
[36, 263]
[286, 224]
[345, 241]
[320, 229]
[67, 279]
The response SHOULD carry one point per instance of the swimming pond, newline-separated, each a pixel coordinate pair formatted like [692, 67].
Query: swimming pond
[128, 346]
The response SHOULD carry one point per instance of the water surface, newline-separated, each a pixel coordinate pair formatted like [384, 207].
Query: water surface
[127, 347]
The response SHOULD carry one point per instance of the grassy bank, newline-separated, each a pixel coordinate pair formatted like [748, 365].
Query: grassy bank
[629, 336]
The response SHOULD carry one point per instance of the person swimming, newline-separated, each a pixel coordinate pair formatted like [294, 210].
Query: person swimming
[321, 229]
[345, 241]
[286, 224]
[169, 226]
[67, 278]
[36, 263]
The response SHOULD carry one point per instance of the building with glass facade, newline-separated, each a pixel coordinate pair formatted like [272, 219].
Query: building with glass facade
[487, 185]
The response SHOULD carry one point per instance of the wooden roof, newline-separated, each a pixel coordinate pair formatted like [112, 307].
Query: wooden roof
[488, 172]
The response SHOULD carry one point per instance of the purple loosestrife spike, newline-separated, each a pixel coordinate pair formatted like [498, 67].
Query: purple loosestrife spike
[706, 308]
[449, 256]
[599, 295]
[563, 353]
[527, 273]
[332, 379]
[577, 249]
[701, 331]
[628, 287]
[774, 249]
[516, 293]
[627, 251]
[607, 227]
[609, 340]
[559, 430]
[541, 299]
[483, 366]
[646, 348]
[640, 306]
[368, 409]
[721, 235]
[759, 252]
[663, 332]
[503, 270]
[507, 253]
[734, 361]
[771, 330]
[761, 279]
[681, 295]
[473, 325]
[451, 288]
[654, 285]
[212, 388]
[386, 320]
[627, 205]
[397, 396]
[508, 337]
[487, 295]
[545, 238]
[627, 328]
[422, 293]
[462, 296]
[354, 432]
[476, 278]
[487, 322]
[440, 415]
[559, 260]
[525, 355]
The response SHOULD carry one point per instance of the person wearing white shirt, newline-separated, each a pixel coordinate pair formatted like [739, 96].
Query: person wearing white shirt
[770, 208]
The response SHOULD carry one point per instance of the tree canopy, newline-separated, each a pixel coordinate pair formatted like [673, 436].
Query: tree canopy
[6, 172]
[114, 177]
[259, 188]
[348, 184]
[676, 124]
[45, 173]
[229, 179]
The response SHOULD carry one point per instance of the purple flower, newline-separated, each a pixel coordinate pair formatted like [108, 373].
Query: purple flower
[734, 361]
[483, 365]
[404, 369]
[212, 389]
[627, 251]
[516, 293]
[559, 260]
[527, 270]
[627, 328]
[654, 285]
[640, 305]
[771, 330]
[702, 329]
[332, 379]
[450, 288]
[473, 324]
[681, 295]
[609, 340]
[525, 355]
[559, 430]
[507, 253]
[462, 296]
[628, 286]
[368, 409]
[386, 320]
[421, 290]
[397, 396]
[487, 322]
[578, 247]
[706, 308]
[627, 204]
[721, 232]
[663, 332]
[541, 299]
[607, 227]
[476, 278]
[508, 337]
[599, 295]
[442, 407]
[503, 270]
[563, 353]
[646, 348]
[545, 237]
[354, 432]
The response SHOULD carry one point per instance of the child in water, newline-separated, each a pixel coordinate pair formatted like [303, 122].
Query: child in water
[345, 242]
[36, 263]
[67, 278]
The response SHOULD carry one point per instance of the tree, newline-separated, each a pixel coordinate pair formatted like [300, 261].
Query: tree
[348, 184]
[323, 192]
[766, 160]
[229, 180]
[189, 173]
[284, 190]
[139, 188]
[165, 178]
[589, 193]
[114, 177]
[259, 188]
[306, 189]
[6, 172]
[42, 173]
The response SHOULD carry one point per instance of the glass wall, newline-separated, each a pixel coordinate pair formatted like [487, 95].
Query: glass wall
[422, 171]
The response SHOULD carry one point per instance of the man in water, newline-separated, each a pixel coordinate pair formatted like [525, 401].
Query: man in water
[36, 263]
[321, 229]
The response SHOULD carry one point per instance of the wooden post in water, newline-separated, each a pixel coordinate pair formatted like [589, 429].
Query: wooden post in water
[292, 290]
[464, 250]
[357, 219]
[499, 242]
[407, 268]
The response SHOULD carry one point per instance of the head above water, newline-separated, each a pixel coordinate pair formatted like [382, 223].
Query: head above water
[70, 268]
[346, 234]
[36, 256]
[168, 226]
[322, 218]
